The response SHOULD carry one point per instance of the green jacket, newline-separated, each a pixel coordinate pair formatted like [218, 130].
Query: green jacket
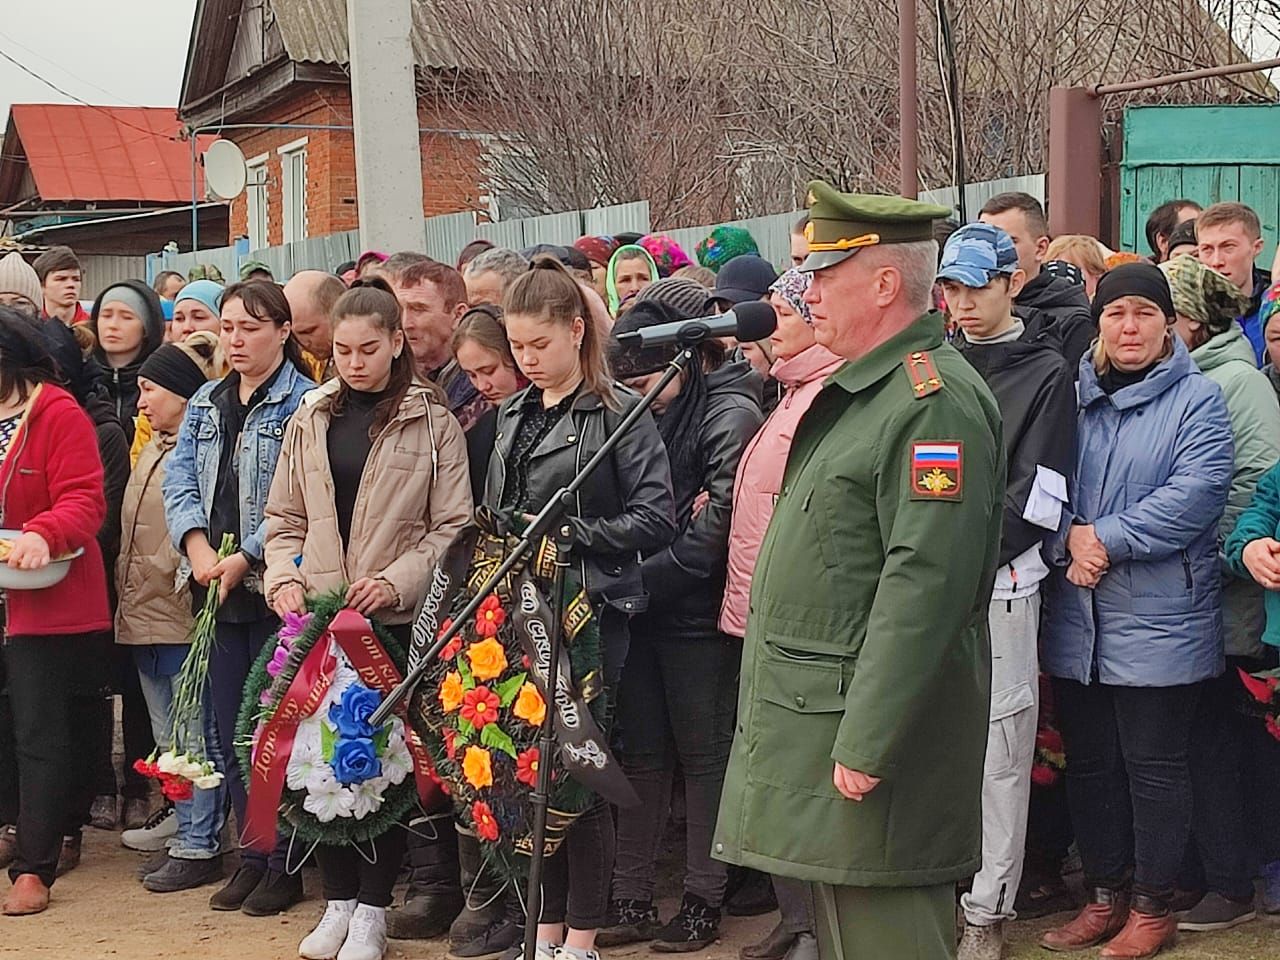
[866, 636]
[1227, 360]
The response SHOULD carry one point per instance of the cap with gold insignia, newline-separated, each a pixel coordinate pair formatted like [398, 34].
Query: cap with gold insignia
[841, 224]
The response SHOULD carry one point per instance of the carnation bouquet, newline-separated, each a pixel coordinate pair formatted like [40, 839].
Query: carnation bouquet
[1264, 691]
[182, 766]
[304, 737]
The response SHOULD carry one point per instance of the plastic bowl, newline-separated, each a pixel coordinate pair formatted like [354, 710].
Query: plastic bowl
[54, 573]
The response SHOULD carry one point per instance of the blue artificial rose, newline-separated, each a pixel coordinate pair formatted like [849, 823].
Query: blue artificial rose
[351, 714]
[355, 761]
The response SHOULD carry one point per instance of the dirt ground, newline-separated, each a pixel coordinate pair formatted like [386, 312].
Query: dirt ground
[99, 912]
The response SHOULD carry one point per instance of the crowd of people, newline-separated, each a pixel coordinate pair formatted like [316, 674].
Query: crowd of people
[1120, 546]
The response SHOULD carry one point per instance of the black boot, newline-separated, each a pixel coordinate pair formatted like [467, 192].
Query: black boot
[482, 886]
[434, 896]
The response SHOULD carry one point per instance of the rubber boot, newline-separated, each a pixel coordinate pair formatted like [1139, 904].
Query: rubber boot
[482, 886]
[434, 896]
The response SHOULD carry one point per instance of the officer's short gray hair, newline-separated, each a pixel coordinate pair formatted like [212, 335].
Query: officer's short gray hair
[917, 262]
[505, 263]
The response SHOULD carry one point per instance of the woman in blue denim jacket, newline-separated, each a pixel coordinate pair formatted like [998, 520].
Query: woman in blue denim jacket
[217, 481]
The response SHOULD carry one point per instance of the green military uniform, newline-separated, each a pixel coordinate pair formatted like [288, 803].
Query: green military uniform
[866, 640]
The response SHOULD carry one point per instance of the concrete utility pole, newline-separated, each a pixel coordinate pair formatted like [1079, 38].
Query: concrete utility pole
[908, 100]
[385, 115]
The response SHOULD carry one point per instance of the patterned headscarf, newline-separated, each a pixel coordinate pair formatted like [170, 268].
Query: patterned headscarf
[1203, 294]
[1270, 308]
[597, 249]
[666, 253]
[791, 287]
[723, 244]
[627, 251]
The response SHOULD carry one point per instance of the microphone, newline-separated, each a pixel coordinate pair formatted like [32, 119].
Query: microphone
[752, 320]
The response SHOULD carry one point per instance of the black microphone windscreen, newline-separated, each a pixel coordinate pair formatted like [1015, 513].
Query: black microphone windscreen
[756, 320]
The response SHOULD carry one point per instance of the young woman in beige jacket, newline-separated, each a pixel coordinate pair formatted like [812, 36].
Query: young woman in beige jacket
[372, 486]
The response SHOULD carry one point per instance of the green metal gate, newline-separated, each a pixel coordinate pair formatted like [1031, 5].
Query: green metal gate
[1203, 153]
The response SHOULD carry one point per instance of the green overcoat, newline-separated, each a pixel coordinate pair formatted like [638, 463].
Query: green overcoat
[866, 638]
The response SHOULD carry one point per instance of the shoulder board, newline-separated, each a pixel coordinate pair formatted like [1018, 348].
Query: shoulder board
[922, 374]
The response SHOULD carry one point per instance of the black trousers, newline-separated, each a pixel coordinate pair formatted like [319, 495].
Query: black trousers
[99, 718]
[1235, 776]
[348, 874]
[44, 676]
[1128, 779]
[676, 705]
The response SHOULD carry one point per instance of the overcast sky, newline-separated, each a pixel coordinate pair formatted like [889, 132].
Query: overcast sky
[103, 51]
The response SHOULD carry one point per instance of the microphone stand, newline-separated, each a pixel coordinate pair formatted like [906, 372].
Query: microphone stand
[550, 514]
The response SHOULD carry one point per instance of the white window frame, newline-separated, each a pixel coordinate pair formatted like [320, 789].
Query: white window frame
[258, 200]
[293, 191]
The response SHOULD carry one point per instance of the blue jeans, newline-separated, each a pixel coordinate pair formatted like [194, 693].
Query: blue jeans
[200, 819]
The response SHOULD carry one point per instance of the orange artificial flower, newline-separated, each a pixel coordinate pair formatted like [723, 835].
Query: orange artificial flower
[477, 768]
[488, 659]
[451, 692]
[529, 705]
[490, 617]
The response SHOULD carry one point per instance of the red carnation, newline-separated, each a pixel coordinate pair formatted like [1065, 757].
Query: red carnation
[484, 822]
[147, 769]
[490, 617]
[176, 789]
[1043, 776]
[1257, 687]
[527, 767]
[1273, 727]
[480, 707]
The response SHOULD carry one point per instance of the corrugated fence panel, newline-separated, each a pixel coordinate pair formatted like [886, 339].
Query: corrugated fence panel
[621, 218]
[559, 228]
[102, 270]
[508, 233]
[448, 234]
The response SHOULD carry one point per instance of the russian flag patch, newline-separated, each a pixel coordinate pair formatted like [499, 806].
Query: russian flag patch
[937, 470]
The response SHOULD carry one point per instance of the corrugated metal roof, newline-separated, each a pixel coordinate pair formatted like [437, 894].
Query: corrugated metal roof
[316, 31]
[87, 153]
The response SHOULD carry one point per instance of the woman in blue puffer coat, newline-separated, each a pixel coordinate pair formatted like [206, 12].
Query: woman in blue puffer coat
[1134, 612]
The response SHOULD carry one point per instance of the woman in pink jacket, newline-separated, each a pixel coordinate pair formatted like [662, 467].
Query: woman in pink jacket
[802, 366]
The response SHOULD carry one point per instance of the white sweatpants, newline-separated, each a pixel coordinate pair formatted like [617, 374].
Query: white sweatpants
[1011, 747]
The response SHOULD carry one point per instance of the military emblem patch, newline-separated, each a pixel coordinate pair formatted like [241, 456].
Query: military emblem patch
[937, 470]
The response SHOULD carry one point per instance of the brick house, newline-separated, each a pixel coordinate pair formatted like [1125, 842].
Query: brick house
[262, 73]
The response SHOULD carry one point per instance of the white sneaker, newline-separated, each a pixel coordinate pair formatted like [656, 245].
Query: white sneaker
[563, 954]
[153, 836]
[367, 936]
[324, 942]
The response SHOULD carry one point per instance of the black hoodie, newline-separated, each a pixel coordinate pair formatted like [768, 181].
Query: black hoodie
[1065, 316]
[685, 580]
[122, 382]
[1037, 398]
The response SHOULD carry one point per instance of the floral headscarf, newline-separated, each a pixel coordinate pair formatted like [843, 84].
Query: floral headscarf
[723, 245]
[791, 287]
[1270, 308]
[625, 252]
[1203, 294]
[666, 253]
[597, 249]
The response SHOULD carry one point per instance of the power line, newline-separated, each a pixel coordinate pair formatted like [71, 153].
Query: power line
[54, 63]
[71, 96]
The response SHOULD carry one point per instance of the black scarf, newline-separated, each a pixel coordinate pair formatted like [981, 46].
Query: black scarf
[680, 426]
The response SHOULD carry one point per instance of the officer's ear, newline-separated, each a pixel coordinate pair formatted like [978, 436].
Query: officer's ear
[1017, 280]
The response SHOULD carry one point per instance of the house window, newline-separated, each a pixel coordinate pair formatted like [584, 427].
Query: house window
[293, 190]
[256, 197]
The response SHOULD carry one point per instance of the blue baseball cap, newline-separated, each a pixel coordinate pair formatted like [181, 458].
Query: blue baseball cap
[977, 252]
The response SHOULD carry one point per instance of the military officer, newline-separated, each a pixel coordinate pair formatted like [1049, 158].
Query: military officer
[857, 762]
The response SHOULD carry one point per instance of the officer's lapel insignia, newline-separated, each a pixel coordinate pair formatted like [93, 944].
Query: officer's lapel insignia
[937, 470]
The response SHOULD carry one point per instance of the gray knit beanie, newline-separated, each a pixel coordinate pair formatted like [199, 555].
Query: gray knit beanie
[18, 276]
[686, 297]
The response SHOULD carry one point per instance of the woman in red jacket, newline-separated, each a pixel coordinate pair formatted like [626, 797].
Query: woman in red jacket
[51, 491]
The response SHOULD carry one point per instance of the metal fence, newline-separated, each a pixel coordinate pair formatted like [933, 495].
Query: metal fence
[102, 270]
[445, 236]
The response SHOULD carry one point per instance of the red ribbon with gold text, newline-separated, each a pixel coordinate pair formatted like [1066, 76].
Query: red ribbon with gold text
[355, 637]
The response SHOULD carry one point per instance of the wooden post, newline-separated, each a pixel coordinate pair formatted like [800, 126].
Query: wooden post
[1075, 162]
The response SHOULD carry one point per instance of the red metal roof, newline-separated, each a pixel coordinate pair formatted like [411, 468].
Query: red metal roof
[106, 153]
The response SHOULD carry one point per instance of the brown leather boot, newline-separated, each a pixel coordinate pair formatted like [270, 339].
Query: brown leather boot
[1151, 928]
[1101, 919]
[28, 896]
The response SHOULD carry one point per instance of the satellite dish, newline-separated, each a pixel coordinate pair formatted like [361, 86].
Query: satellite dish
[224, 170]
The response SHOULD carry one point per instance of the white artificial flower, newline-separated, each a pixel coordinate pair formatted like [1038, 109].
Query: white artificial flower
[397, 761]
[321, 780]
[305, 757]
[327, 806]
[368, 797]
[343, 677]
[208, 781]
